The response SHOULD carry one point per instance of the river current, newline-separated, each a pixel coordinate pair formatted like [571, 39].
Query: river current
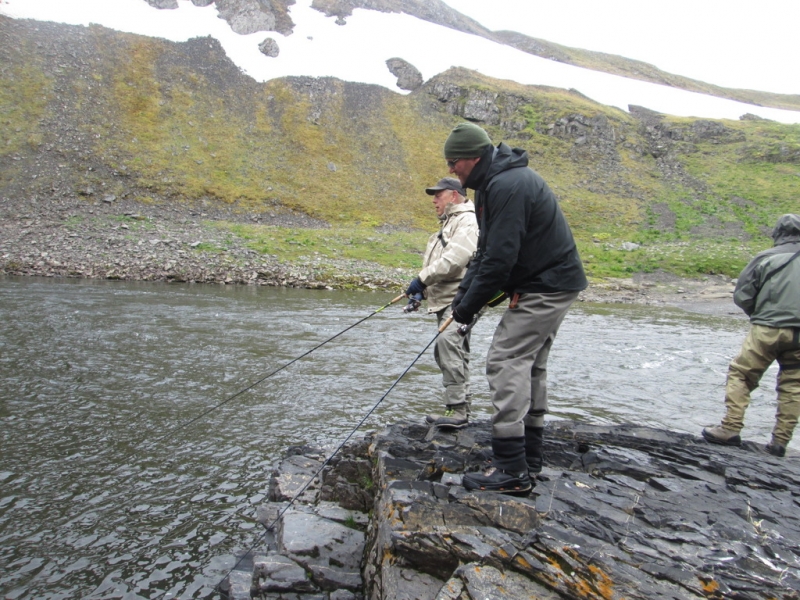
[129, 467]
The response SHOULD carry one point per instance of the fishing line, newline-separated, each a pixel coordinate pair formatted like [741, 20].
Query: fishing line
[126, 505]
[279, 369]
[268, 528]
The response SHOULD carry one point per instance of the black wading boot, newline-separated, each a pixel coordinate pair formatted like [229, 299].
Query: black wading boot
[534, 450]
[508, 473]
[776, 448]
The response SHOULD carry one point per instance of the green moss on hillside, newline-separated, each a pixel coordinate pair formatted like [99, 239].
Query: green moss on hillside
[25, 92]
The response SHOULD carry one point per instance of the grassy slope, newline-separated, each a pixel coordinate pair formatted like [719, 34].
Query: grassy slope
[359, 156]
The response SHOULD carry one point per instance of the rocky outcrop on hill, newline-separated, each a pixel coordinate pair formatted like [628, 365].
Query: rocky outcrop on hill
[245, 16]
[434, 11]
[250, 16]
[617, 512]
[408, 76]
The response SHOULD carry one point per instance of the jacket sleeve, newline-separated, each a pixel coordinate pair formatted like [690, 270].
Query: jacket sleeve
[502, 246]
[746, 292]
[457, 253]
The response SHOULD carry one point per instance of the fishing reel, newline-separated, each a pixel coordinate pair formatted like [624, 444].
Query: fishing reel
[414, 302]
[466, 328]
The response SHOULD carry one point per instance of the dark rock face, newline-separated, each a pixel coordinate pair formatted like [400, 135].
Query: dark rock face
[408, 76]
[618, 511]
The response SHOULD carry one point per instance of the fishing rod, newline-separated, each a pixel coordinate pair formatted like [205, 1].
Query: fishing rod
[271, 526]
[126, 505]
[279, 369]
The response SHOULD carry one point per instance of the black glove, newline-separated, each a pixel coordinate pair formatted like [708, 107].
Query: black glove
[415, 287]
[462, 316]
[458, 298]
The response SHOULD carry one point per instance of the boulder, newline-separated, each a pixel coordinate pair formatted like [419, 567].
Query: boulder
[408, 76]
[251, 16]
[269, 47]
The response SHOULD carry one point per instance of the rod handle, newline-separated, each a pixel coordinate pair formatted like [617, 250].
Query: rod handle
[400, 297]
[445, 324]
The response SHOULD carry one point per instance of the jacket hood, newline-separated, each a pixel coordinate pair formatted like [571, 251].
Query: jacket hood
[506, 158]
[494, 161]
[454, 209]
[787, 230]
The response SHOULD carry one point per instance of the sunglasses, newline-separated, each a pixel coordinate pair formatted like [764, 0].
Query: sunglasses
[452, 162]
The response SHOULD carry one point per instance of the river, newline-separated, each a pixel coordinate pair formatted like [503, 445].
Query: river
[131, 469]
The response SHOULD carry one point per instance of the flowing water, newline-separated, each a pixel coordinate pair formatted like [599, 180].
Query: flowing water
[129, 470]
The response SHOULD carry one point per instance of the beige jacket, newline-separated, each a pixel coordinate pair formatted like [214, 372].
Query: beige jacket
[447, 254]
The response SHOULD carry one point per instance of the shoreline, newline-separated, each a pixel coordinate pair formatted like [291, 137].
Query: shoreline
[119, 239]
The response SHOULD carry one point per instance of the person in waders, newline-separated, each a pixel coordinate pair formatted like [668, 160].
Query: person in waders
[768, 291]
[443, 266]
[526, 249]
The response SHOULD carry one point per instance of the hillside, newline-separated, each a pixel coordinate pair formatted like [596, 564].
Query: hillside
[91, 116]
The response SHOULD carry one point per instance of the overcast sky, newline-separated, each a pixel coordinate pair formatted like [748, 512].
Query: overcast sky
[358, 50]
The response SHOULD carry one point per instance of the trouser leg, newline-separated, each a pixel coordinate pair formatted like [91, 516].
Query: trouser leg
[451, 353]
[745, 372]
[788, 387]
[538, 409]
[511, 364]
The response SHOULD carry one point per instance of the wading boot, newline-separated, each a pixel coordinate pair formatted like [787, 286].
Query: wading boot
[776, 448]
[508, 473]
[456, 416]
[720, 435]
[534, 449]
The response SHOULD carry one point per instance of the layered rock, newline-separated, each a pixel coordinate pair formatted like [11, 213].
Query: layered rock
[617, 512]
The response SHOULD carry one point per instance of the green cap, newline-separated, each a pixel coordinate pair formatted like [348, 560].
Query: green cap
[467, 140]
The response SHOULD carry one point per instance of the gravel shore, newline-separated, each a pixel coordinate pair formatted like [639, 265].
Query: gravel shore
[118, 239]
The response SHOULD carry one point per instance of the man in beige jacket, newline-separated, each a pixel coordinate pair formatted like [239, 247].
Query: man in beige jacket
[443, 266]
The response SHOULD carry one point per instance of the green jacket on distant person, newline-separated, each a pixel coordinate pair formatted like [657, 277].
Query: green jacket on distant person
[768, 289]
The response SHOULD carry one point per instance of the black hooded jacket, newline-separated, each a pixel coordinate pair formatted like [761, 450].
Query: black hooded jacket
[525, 244]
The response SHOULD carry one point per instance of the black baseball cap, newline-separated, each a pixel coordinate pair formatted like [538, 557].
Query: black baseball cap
[448, 183]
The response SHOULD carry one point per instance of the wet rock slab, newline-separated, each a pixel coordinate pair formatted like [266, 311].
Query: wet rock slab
[316, 521]
[618, 512]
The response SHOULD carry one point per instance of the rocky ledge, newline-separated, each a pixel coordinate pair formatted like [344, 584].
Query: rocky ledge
[617, 512]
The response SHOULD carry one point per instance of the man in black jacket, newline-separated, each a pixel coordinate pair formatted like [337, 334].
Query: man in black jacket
[525, 249]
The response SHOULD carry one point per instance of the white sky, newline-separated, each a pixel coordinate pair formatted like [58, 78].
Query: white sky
[358, 50]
